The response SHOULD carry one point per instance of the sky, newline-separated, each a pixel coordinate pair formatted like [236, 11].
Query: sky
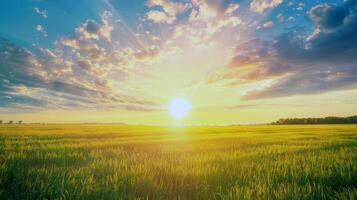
[234, 61]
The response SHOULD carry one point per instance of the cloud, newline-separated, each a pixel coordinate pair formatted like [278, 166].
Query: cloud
[149, 52]
[268, 24]
[197, 10]
[335, 34]
[160, 17]
[298, 62]
[328, 16]
[39, 28]
[92, 30]
[307, 83]
[42, 13]
[168, 6]
[170, 9]
[139, 108]
[85, 64]
[280, 17]
[291, 19]
[205, 20]
[216, 7]
[300, 6]
[261, 5]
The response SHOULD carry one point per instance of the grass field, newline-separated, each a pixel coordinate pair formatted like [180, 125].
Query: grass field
[143, 162]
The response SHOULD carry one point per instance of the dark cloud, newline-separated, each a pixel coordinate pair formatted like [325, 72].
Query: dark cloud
[90, 29]
[334, 36]
[306, 63]
[330, 16]
[85, 64]
[92, 26]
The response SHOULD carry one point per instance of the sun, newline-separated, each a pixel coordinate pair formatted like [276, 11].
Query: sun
[179, 107]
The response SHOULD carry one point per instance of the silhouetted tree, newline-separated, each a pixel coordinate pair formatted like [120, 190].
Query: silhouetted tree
[326, 120]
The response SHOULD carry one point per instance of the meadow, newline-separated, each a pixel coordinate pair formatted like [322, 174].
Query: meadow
[148, 162]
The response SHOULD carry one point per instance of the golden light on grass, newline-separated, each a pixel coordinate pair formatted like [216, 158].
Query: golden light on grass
[179, 107]
[92, 161]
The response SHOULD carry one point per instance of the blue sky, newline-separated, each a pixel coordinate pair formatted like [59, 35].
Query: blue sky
[19, 18]
[129, 58]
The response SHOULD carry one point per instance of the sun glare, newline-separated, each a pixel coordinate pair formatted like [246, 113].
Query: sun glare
[179, 107]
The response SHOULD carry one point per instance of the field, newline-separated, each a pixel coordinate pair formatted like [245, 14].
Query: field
[146, 162]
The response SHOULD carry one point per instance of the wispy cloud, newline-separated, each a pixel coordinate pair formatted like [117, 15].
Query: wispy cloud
[42, 13]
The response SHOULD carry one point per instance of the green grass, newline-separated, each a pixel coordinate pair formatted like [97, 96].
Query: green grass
[143, 162]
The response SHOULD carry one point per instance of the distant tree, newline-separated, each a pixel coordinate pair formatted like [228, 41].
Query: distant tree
[20, 122]
[10, 122]
[352, 120]
[326, 120]
[0, 121]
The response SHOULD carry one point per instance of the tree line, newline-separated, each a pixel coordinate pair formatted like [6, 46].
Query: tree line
[10, 122]
[325, 120]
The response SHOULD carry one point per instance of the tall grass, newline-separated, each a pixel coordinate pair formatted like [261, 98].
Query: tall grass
[144, 162]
